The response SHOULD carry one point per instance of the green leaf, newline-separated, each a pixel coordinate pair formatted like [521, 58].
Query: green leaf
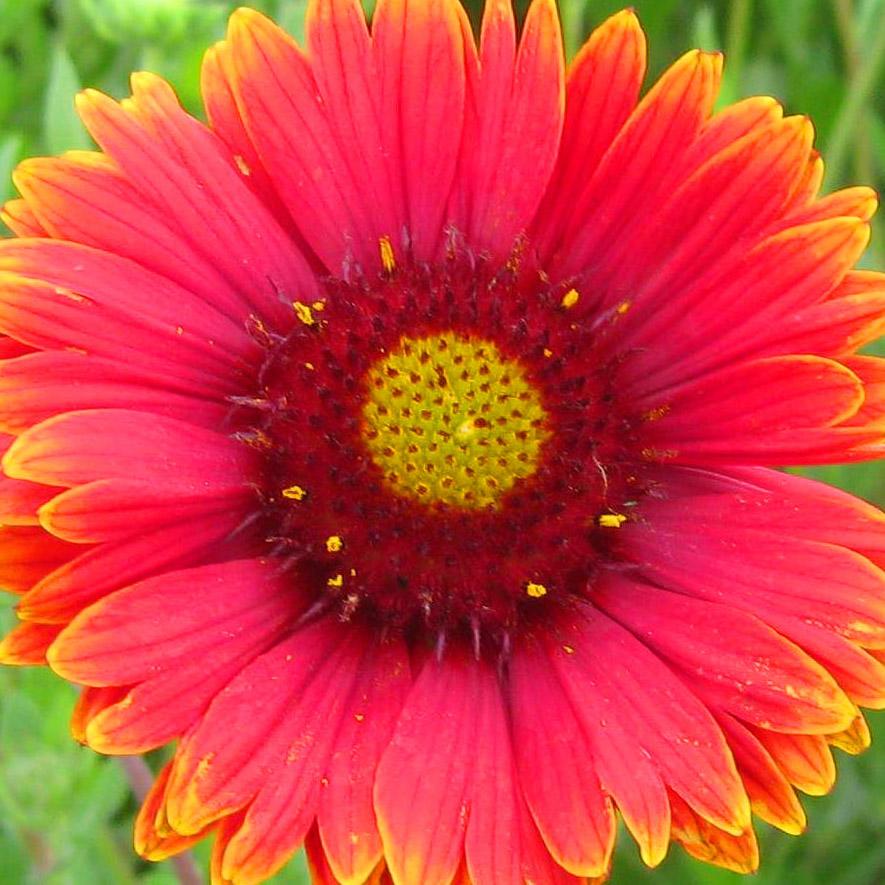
[62, 129]
[10, 153]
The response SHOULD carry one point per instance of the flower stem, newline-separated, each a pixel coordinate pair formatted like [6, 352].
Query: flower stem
[572, 13]
[740, 12]
[860, 88]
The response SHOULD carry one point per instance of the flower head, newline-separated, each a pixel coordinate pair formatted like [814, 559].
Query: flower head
[400, 444]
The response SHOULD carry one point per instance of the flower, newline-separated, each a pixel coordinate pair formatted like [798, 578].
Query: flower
[399, 444]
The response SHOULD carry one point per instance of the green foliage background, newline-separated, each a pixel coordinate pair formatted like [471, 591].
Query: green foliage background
[66, 813]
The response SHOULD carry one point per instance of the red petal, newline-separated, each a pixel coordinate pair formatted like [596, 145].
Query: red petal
[738, 192]
[181, 169]
[871, 371]
[346, 817]
[283, 810]
[502, 844]
[601, 92]
[224, 832]
[736, 308]
[65, 296]
[855, 739]
[633, 695]
[767, 500]
[164, 707]
[726, 127]
[419, 53]
[422, 789]
[557, 769]
[19, 501]
[318, 864]
[346, 74]
[809, 188]
[666, 121]
[860, 202]
[732, 660]
[115, 509]
[273, 82]
[768, 573]
[10, 348]
[39, 385]
[81, 447]
[267, 737]
[857, 672]
[85, 198]
[513, 124]
[217, 76]
[836, 328]
[81, 581]
[128, 637]
[781, 410]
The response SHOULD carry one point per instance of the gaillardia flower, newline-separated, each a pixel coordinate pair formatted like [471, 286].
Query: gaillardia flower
[399, 444]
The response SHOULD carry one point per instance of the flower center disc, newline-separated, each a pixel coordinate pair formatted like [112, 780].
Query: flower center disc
[449, 420]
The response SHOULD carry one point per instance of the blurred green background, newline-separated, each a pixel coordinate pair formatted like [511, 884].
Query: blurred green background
[66, 813]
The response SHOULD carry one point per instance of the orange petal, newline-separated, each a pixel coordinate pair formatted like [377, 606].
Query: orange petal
[805, 759]
[18, 216]
[28, 554]
[771, 795]
[26, 644]
[700, 839]
[854, 739]
[151, 843]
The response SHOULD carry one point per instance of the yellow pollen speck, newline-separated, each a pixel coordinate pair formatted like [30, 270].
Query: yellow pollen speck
[334, 543]
[337, 581]
[388, 259]
[295, 493]
[656, 414]
[310, 366]
[612, 520]
[536, 591]
[570, 299]
[568, 649]
[70, 293]
[651, 454]
[449, 419]
[242, 165]
[304, 313]
[319, 306]
[359, 716]
[623, 307]
[203, 766]
[548, 352]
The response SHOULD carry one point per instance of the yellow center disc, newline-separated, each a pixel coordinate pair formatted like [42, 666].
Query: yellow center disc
[449, 420]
